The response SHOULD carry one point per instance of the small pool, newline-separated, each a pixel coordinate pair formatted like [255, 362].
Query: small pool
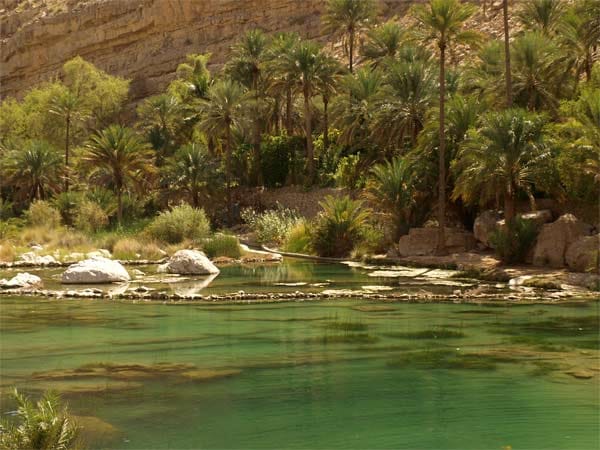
[329, 374]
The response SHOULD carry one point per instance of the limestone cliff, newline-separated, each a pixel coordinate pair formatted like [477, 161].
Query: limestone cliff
[143, 40]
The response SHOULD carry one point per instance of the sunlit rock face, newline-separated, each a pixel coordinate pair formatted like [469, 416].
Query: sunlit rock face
[95, 270]
[143, 40]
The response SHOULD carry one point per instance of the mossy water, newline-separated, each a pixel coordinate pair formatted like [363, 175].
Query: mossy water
[334, 374]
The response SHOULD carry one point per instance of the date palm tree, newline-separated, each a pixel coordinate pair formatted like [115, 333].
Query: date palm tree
[578, 43]
[72, 109]
[121, 159]
[542, 15]
[507, 69]
[192, 171]
[403, 104]
[247, 66]
[161, 116]
[383, 42]
[310, 69]
[348, 18]
[223, 114]
[442, 21]
[193, 77]
[34, 171]
[506, 154]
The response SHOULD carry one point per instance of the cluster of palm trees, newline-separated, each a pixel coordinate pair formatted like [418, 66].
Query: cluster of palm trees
[424, 105]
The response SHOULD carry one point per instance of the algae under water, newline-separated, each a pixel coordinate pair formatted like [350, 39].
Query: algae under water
[329, 374]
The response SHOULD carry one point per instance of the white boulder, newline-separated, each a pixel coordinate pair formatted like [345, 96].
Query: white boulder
[95, 270]
[189, 262]
[34, 258]
[22, 280]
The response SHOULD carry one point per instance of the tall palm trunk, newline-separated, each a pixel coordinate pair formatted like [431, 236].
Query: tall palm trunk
[351, 50]
[507, 55]
[256, 145]
[119, 205]
[309, 144]
[441, 243]
[288, 111]
[509, 206]
[67, 153]
[228, 175]
[325, 123]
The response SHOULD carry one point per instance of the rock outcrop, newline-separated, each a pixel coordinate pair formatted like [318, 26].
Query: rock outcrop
[423, 241]
[485, 224]
[582, 255]
[22, 281]
[37, 260]
[143, 40]
[555, 238]
[189, 262]
[95, 271]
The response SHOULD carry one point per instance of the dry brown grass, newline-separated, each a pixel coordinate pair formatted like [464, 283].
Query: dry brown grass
[8, 252]
[132, 248]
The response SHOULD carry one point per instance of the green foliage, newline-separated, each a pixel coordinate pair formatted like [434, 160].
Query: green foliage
[180, 223]
[513, 242]
[67, 203]
[45, 425]
[270, 227]
[222, 245]
[42, 214]
[277, 158]
[90, 217]
[338, 228]
[298, 238]
[349, 173]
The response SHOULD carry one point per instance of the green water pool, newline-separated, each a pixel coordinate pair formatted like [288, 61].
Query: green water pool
[335, 374]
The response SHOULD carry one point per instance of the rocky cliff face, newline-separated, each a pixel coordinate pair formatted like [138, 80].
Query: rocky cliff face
[143, 40]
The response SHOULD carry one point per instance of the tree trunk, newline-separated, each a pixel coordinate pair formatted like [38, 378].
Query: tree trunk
[288, 112]
[588, 68]
[228, 176]
[67, 154]
[509, 207]
[351, 50]
[256, 145]
[532, 203]
[309, 144]
[119, 205]
[325, 123]
[441, 243]
[507, 69]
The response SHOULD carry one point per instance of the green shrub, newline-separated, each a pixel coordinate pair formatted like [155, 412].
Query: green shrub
[222, 245]
[90, 217]
[271, 226]
[349, 173]
[40, 213]
[6, 211]
[513, 242]
[45, 425]
[297, 239]
[339, 227]
[278, 155]
[67, 204]
[372, 241]
[182, 222]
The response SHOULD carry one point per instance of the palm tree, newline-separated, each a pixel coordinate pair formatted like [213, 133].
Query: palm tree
[507, 154]
[72, 109]
[542, 15]
[507, 73]
[309, 68]
[193, 77]
[222, 114]
[161, 116]
[330, 74]
[45, 425]
[383, 42]
[538, 72]
[281, 78]
[192, 170]
[119, 157]
[348, 18]
[403, 103]
[34, 171]
[391, 187]
[443, 21]
[354, 112]
[247, 67]
[577, 42]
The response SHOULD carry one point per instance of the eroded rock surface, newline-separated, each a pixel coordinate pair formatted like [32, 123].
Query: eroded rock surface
[556, 237]
[582, 255]
[423, 241]
[95, 270]
[189, 262]
[23, 281]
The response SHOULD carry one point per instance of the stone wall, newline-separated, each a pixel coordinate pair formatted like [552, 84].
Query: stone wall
[143, 40]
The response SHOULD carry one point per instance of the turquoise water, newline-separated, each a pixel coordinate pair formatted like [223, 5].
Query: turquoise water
[335, 374]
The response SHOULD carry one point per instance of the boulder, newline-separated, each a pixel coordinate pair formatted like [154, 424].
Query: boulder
[582, 255]
[485, 224]
[539, 217]
[22, 280]
[35, 259]
[555, 238]
[423, 241]
[189, 262]
[101, 253]
[95, 270]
